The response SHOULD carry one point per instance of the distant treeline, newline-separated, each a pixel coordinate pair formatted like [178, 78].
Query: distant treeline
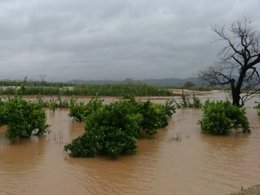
[85, 89]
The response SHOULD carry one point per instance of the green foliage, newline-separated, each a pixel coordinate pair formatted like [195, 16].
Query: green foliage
[113, 129]
[257, 107]
[220, 118]
[154, 116]
[87, 90]
[79, 110]
[3, 111]
[76, 110]
[116, 90]
[22, 118]
[87, 145]
[52, 105]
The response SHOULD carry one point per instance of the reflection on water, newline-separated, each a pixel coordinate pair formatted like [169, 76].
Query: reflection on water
[179, 160]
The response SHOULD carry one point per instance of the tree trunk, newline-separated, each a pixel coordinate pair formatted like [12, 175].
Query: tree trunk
[236, 88]
[236, 97]
[235, 93]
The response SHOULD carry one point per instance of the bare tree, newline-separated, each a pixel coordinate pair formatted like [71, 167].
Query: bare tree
[238, 61]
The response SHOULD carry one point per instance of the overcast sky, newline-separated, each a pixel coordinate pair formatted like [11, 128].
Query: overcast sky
[113, 39]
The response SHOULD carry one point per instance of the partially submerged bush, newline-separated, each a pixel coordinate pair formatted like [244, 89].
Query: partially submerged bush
[257, 107]
[111, 130]
[220, 118]
[79, 110]
[155, 116]
[114, 129]
[22, 118]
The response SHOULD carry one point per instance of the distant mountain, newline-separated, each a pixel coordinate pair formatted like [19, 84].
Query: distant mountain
[161, 82]
[164, 82]
[93, 81]
[173, 81]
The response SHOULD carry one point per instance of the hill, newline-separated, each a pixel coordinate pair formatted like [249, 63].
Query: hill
[161, 82]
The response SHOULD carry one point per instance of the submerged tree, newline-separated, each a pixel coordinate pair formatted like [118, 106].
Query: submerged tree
[239, 61]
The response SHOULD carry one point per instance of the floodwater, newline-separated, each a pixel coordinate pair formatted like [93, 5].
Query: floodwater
[179, 160]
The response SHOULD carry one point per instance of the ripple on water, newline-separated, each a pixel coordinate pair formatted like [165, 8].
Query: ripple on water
[195, 164]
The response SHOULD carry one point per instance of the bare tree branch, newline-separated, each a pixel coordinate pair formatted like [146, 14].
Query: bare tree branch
[239, 59]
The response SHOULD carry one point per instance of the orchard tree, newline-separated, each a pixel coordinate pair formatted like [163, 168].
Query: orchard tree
[239, 61]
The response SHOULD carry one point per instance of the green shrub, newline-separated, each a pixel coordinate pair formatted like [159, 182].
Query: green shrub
[3, 111]
[76, 110]
[220, 118]
[113, 129]
[110, 130]
[22, 118]
[154, 116]
[52, 105]
[79, 110]
[87, 145]
[257, 107]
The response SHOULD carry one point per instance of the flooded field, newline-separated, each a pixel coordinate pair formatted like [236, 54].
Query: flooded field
[179, 160]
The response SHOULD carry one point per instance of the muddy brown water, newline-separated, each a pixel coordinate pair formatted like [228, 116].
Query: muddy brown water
[179, 160]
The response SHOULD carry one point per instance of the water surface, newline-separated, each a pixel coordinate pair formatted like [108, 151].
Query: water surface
[179, 160]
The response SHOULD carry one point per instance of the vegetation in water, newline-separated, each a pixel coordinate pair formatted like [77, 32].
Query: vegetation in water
[54, 103]
[257, 107]
[89, 90]
[185, 102]
[23, 118]
[113, 129]
[79, 110]
[219, 118]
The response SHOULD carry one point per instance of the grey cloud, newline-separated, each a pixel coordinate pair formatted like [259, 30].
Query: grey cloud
[113, 39]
